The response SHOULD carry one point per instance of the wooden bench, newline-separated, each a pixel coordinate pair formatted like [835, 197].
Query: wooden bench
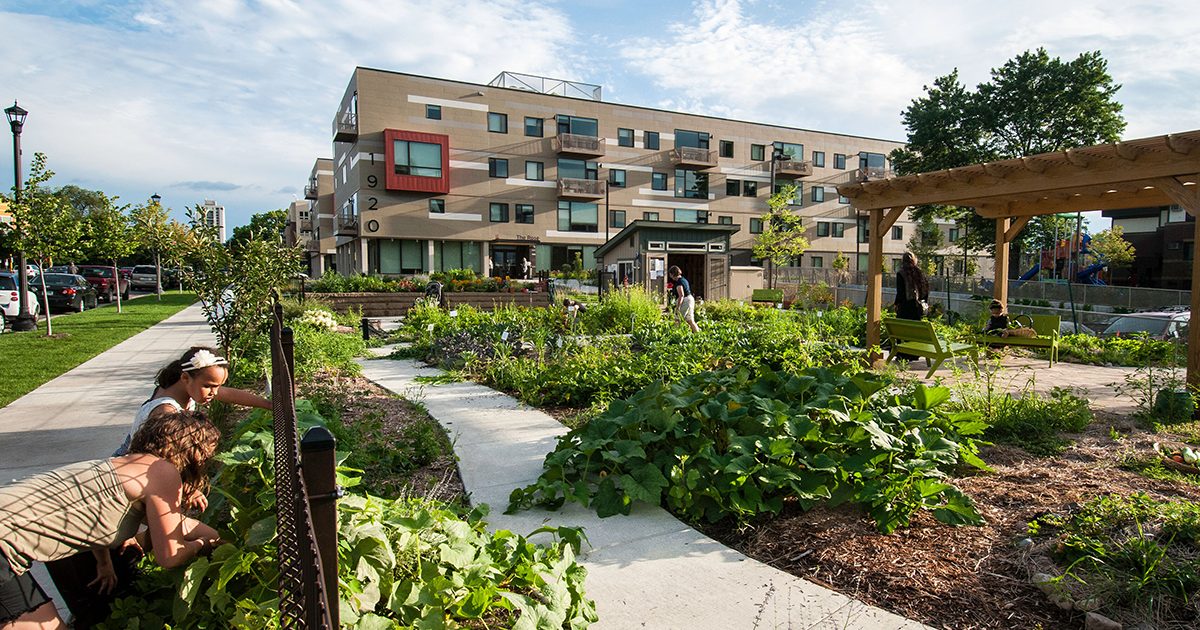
[917, 338]
[1046, 327]
[766, 296]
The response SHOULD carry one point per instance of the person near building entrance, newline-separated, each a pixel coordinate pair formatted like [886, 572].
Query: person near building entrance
[685, 304]
[526, 268]
[912, 289]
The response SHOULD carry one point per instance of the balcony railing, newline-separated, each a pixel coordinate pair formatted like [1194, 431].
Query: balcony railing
[345, 127]
[870, 174]
[313, 245]
[580, 188]
[310, 192]
[693, 157]
[346, 224]
[576, 144]
[793, 168]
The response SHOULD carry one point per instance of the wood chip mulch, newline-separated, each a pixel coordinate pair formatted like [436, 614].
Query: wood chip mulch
[956, 577]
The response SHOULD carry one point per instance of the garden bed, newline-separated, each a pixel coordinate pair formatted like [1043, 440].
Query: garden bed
[396, 304]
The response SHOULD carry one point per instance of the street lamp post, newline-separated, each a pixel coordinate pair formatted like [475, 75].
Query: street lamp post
[24, 320]
[156, 199]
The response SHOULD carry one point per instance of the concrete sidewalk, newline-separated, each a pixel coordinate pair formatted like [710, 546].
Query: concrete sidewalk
[85, 413]
[645, 570]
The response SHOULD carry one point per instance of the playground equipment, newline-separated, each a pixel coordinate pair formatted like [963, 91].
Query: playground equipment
[1088, 275]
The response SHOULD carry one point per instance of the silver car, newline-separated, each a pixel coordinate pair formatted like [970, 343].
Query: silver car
[1155, 324]
[144, 277]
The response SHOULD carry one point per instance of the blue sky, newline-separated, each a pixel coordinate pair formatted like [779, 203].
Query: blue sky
[231, 100]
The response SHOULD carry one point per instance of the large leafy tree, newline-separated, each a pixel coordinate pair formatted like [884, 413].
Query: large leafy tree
[270, 224]
[1032, 104]
[782, 238]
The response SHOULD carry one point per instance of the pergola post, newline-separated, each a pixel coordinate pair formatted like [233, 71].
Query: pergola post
[1193, 363]
[1000, 285]
[875, 283]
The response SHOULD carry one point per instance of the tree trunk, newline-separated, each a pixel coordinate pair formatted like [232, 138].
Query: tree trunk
[117, 277]
[46, 301]
[157, 276]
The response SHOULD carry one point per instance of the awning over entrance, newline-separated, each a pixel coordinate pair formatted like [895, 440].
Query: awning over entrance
[1161, 170]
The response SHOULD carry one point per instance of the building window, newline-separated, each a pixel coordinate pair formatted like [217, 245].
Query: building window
[497, 123]
[524, 213]
[498, 212]
[574, 216]
[725, 220]
[497, 167]
[897, 232]
[624, 137]
[864, 230]
[749, 188]
[437, 206]
[822, 228]
[756, 226]
[839, 230]
[691, 216]
[839, 161]
[650, 215]
[818, 262]
[791, 150]
[534, 127]
[727, 148]
[652, 140]
[577, 125]
[691, 184]
[577, 169]
[618, 218]
[535, 171]
[844, 200]
[953, 235]
[658, 181]
[433, 112]
[616, 178]
[420, 159]
[696, 139]
[733, 187]
[818, 194]
[873, 165]
[758, 152]
[818, 159]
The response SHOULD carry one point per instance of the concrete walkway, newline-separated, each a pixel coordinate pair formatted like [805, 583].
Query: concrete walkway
[85, 413]
[645, 570]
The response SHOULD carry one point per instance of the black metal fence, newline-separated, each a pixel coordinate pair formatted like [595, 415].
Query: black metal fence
[305, 495]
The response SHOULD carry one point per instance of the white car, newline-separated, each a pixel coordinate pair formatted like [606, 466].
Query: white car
[10, 301]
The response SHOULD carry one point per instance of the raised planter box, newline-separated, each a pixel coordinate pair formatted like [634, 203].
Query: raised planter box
[395, 304]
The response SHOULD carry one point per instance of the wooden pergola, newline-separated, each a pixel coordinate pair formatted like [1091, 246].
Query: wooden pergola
[1147, 172]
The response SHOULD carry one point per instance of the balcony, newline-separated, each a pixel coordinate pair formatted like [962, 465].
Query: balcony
[345, 127]
[346, 225]
[870, 173]
[791, 169]
[693, 158]
[313, 245]
[310, 192]
[575, 144]
[571, 188]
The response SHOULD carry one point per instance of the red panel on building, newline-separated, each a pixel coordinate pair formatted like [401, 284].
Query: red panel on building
[416, 183]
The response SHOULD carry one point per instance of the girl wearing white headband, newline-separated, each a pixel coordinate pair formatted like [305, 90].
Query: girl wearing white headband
[196, 377]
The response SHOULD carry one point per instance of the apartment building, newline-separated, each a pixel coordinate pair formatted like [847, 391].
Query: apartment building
[321, 245]
[430, 174]
[213, 215]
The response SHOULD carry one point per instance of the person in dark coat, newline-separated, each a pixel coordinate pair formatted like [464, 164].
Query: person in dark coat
[912, 289]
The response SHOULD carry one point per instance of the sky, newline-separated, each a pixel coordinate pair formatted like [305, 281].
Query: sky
[232, 100]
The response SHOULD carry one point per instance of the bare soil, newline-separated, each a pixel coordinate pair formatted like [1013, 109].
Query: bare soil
[960, 577]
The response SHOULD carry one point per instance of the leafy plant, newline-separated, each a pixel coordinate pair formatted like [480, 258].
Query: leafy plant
[735, 444]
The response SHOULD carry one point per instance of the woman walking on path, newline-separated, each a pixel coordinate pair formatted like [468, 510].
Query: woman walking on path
[685, 304]
[100, 504]
[912, 289]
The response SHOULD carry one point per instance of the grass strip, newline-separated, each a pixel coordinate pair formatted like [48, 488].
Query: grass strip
[30, 359]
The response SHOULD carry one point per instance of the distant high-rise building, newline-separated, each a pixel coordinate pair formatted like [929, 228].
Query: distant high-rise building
[214, 216]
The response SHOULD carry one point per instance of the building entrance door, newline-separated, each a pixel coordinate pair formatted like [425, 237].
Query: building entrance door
[694, 269]
[508, 260]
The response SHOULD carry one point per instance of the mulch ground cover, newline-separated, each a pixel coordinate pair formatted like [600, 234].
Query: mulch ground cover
[958, 577]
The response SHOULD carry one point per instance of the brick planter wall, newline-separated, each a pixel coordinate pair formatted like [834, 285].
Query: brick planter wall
[394, 304]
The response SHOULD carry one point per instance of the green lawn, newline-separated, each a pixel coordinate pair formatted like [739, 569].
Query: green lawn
[29, 359]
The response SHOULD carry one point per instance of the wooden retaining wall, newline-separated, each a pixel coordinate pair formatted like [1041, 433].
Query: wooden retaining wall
[395, 304]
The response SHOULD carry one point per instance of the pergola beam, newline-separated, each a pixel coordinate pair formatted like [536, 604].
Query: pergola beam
[1119, 200]
[1186, 196]
[1015, 229]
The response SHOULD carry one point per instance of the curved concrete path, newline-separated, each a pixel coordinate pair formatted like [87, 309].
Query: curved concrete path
[645, 570]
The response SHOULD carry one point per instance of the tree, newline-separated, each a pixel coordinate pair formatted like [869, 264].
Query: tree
[109, 235]
[927, 240]
[1032, 104]
[1111, 247]
[841, 264]
[153, 233]
[234, 284]
[262, 225]
[782, 238]
[46, 226]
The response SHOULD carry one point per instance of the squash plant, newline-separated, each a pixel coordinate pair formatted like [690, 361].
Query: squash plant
[738, 443]
[402, 562]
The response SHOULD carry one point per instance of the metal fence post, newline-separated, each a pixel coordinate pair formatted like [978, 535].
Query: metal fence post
[317, 463]
[366, 329]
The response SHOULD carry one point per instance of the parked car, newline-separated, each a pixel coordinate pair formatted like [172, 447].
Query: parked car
[126, 272]
[1155, 324]
[66, 291]
[10, 300]
[101, 277]
[58, 269]
[144, 277]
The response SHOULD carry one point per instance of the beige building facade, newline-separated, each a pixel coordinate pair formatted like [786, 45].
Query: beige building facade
[430, 174]
[317, 223]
